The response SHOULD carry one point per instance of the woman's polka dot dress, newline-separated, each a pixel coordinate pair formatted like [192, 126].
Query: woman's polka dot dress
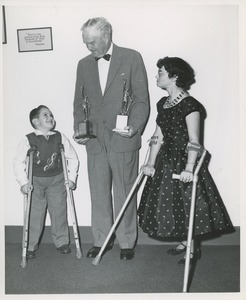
[165, 202]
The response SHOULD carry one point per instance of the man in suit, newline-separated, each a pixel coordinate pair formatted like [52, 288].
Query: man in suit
[112, 156]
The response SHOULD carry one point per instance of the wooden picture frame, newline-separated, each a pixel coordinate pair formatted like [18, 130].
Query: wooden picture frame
[35, 39]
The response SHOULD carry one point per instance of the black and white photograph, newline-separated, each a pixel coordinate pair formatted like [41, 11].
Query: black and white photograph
[123, 149]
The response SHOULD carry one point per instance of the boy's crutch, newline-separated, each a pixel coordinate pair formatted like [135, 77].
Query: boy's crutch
[97, 259]
[71, 204]
[191, 219]
[27, 205]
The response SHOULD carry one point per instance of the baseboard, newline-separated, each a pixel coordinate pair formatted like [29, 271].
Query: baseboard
[13, 234]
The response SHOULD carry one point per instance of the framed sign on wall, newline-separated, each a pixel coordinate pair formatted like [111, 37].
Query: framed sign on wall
[35, 39]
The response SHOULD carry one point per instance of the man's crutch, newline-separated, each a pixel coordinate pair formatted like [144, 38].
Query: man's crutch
[191, 219]
[71, 204]
[27, 205]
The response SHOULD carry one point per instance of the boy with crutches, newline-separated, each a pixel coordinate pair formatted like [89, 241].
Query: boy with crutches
[48, 185]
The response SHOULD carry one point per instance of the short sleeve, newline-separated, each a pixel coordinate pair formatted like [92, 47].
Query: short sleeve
[190, 105]
[159, 107]
[160, 103]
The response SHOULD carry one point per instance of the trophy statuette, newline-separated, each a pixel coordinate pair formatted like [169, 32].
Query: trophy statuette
[122, 119]
[85, 128]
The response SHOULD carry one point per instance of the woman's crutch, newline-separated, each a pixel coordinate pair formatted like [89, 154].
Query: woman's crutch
[27, 205]
[71, 204]
[191, 219]
[97, 259]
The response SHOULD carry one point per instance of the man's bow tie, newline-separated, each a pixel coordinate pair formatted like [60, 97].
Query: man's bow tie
[106, 56]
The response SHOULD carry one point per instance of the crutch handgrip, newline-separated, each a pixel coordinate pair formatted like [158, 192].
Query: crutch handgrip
[176, 176]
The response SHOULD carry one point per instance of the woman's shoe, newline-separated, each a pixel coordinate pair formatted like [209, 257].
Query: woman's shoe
[193, 257]
[176, 251]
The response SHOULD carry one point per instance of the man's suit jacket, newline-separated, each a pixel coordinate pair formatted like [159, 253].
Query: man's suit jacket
[125, 63]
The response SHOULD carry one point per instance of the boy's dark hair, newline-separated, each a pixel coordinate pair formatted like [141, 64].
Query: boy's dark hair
[34, 114]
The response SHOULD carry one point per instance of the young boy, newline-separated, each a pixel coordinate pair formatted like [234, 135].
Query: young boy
[48, 186]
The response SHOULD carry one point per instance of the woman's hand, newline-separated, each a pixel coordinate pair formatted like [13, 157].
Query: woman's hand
[148, 170]
[186, 176]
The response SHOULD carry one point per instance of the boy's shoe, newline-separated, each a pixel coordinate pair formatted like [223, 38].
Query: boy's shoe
[30, 254]
[64, 249]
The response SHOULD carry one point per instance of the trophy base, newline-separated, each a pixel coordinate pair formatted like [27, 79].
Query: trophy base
[121, 130]
[85, 130]
[121, 123]
[85, 136]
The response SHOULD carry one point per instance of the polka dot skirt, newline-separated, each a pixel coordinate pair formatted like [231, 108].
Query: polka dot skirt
[165, 202]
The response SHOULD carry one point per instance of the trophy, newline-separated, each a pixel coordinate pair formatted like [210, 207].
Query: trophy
[85, 128]
[122, 119]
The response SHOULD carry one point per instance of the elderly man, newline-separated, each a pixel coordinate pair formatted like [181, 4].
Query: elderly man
[105, 76]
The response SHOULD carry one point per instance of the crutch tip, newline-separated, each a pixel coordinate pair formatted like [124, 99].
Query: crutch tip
[79, 254]
[96, 261]
[23, 263]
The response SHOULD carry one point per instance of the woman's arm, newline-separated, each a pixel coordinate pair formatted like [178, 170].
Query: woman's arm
[193, 125]
[155, 145]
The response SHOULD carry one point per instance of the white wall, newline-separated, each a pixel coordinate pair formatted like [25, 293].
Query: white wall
[204, 35]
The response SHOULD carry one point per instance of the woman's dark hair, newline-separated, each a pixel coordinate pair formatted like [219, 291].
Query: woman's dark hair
[176, 66]
[34, 114]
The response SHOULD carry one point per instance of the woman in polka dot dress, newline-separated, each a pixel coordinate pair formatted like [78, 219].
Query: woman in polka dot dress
[165, 203]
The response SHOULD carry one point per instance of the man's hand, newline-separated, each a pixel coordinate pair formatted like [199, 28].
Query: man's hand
[131, 132]
[79, 141]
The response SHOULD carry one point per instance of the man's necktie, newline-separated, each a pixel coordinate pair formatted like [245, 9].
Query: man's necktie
[106, 57]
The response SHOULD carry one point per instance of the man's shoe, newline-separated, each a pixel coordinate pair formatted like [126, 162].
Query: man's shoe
[127, 254]
[93, 252]
[64, 249]
[30, 254]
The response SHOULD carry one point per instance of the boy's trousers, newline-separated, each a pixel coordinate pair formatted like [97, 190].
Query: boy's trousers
[48, 192]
